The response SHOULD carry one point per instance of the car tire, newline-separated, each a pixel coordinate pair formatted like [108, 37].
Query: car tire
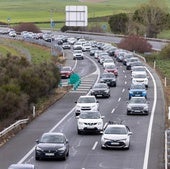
[37, 158]
[79, 132]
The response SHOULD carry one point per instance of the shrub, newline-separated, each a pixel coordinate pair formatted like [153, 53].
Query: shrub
[30, 27]
[135, 43]
[165, 52]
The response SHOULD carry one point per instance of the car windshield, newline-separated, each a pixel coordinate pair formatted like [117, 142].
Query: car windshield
[101, 85]
[110, 66]
[52, 139]
[115, 130]
[137, 86]
[89, 115]
[137, 100]
[138, 69]
[86, 100]
[108, 75]
[65, 69]
[142, 76]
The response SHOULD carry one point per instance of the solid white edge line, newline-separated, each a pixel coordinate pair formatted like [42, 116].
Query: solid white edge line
[147, 148]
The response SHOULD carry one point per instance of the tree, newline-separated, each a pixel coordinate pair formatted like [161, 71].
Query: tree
[118, 23]
[153, 16]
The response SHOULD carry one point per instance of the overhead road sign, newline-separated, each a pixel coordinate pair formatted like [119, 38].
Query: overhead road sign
[76, 16]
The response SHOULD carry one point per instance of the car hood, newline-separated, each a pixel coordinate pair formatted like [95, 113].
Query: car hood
[99, 89]
[134, 90]
[47, 146]
[137, 104]
[86, 104]
[90, 120]
[115, 136]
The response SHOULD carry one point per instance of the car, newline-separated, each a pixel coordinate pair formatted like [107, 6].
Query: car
[108, 61]
[89, 121]
[116, 136]
[112, 69]
[86, 103]
[138, 70]
[78, 54]
[108, 78]
[21, 166]
[130, 61]
[137, 90]
[12, 33]
[77, 46]
[86, 47]
[66, 45]
[52, 145]
[66, 72]
[140, 79]
[137, 105]
[100, 90]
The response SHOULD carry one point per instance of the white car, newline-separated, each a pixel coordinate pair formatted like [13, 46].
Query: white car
[12, 34]
[140, 79]
[77, 46]
[86, 47]
[86, 103]
[78, 54]
[108, 61]
[116, 136]
[89, 121]
[138, 70]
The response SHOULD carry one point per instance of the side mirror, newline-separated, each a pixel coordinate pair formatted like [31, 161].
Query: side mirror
[129, 133]
[37, 141]
[76, 102]
[102, 117]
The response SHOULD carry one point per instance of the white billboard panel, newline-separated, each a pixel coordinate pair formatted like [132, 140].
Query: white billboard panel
[76, 16]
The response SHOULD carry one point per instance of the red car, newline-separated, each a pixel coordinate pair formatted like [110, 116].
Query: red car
[66, 71]
[112, 69]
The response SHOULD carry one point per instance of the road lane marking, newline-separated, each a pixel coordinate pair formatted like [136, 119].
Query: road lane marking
[119, 99]
[113, 111]
[95, 145]
[147, 148]
[125, 82]
[123, 90]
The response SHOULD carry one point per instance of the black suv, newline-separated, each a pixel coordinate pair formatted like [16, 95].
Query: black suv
[100, 89]
[109, 79]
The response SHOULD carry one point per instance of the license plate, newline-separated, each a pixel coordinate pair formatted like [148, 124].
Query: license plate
[49, 154]
[114, 143]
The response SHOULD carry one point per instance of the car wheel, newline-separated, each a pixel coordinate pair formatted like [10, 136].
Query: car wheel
[65, 157]
[37, 158]
[68, 153]
[79, 132]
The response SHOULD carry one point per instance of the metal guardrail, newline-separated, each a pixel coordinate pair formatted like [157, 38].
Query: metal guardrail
[13, 126]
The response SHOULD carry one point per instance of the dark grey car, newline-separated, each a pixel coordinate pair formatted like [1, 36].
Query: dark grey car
[138, 105]
[52, 145]
[109, 79]
[100, 90]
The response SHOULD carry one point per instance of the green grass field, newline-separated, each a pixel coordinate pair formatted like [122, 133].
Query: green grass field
[42, 10]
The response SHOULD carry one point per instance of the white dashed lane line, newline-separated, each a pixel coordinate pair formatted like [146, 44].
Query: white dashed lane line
[95, 145]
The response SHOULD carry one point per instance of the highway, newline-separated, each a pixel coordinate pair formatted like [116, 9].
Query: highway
[147, 142]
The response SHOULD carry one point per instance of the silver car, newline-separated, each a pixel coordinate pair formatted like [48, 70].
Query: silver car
[137, 105]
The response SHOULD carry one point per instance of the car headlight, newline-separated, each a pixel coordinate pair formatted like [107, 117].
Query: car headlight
[129, 107]
[38, 149]
[106, 90]
[80, 123]
[145, 107]
[62, 149]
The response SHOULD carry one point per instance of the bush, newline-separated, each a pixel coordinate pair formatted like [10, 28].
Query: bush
[22, 83]
[30, 27]
[165, 52]
[135, 43]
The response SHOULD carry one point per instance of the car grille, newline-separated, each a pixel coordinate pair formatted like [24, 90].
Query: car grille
[86, 108]
[90, 124]
[115, 143]
[137, 108]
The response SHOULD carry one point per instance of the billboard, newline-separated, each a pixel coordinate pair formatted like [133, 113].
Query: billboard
[76, 16]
